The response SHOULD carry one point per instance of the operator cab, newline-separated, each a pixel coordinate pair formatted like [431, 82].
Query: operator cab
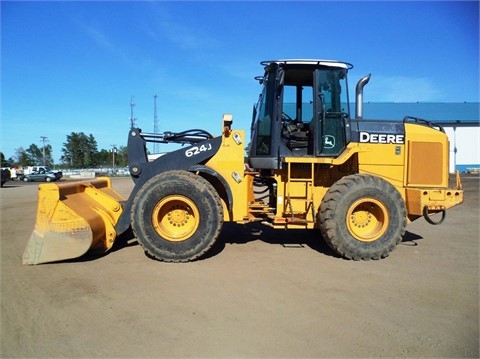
[302, 111]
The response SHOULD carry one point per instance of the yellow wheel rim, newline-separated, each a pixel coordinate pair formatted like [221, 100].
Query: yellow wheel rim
[175, 218]
[367, 219]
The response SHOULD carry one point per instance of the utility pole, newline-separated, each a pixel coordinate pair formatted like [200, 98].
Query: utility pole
[44, 139]
[155, 122]
[132, 118]
[114, 149]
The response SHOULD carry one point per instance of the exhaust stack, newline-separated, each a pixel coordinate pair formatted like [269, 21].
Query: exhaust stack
[359, 96]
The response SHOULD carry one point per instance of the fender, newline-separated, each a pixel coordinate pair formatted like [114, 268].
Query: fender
[211, 172]
[141, 170]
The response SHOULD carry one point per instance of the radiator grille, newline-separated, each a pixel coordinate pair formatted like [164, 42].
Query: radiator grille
[425, 164]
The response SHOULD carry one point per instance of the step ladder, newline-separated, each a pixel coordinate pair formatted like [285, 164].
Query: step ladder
[299, 205]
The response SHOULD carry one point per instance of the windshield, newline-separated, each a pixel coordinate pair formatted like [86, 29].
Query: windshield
[263, 115]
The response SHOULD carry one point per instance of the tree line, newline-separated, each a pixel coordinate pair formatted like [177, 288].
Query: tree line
[79, 151]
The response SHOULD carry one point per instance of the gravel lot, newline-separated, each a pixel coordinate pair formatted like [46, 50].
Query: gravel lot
[259, 293]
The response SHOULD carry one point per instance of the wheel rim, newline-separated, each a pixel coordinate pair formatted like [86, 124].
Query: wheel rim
[367, 219]
[175, 218]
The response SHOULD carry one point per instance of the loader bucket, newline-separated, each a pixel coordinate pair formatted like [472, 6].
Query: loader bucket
[72, 219]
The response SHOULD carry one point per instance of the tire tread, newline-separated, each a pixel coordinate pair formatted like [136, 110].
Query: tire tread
[332, 230]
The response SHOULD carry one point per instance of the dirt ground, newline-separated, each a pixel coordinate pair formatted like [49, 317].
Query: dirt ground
[259, 293]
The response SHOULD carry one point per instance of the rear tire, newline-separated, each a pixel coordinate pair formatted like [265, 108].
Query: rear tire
[362, 217]
[177, 216]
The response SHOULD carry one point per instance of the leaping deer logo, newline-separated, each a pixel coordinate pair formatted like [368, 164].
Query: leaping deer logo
[328, 141]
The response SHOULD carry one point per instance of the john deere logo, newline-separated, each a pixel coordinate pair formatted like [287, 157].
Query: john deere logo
[366, 137]
[328, 141]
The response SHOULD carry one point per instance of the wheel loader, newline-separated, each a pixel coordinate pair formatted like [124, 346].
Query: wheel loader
[309, 165]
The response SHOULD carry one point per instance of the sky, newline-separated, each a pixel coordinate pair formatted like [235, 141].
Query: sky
[75, 66]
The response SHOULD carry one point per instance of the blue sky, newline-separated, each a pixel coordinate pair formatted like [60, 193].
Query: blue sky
[73, 66]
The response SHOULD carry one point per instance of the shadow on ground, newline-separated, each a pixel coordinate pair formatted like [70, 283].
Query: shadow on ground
[233, 233]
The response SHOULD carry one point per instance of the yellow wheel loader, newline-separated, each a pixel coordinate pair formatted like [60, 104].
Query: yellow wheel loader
[310, 165]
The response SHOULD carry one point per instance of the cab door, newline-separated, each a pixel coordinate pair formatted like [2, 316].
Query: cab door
[332, 116]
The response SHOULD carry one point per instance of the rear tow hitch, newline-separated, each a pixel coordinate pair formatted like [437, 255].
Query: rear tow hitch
[429, 219]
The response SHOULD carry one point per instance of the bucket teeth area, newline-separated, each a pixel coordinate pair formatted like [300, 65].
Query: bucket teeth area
[72, 219]
[54, 246]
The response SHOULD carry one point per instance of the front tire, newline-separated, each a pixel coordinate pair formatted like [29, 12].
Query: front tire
[177, 216]
[362, 217]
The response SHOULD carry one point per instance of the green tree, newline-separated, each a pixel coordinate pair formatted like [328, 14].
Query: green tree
[80, 151]
[22, 158]
[48, 160]
[4, 162]
[34, 154]
[104, 158]
[121, 157]
[92, 151]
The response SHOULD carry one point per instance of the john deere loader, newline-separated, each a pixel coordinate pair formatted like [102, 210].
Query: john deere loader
[310, 165]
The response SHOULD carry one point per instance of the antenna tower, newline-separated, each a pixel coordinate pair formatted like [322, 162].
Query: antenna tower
[155, 122]
[133, 120]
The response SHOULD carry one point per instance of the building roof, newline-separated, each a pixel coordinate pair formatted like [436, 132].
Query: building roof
[447, 114]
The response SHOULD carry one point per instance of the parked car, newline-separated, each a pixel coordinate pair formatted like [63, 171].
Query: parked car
[5, 176]
[27, 170]
[42, 176]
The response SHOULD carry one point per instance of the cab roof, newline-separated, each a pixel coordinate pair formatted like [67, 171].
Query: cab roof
[313, 62]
